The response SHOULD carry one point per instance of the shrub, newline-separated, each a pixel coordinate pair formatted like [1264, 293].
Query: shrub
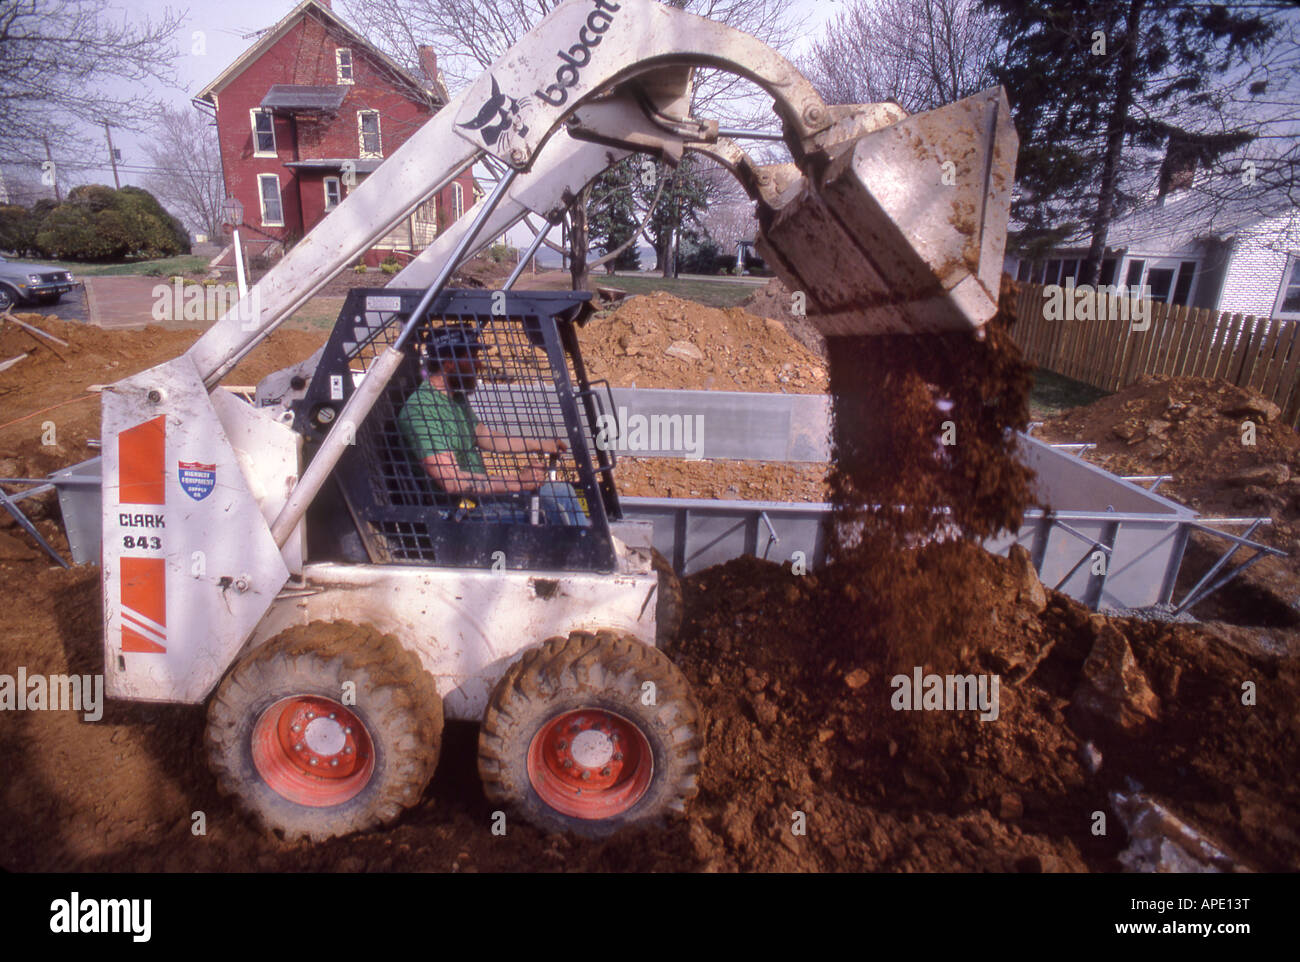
[502, 253]
[98, 223]
[17, 229]
[359, 269]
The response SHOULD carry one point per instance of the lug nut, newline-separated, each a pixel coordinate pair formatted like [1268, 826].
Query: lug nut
[331, 716]
[605, 772]
[563, 744]
[312, 762]
[586, 776]
[296, 728]
[311, 714]
[348, 750]
[568, 763]
[618, 756]
[347, 731]
[298, 747]
[334, 763]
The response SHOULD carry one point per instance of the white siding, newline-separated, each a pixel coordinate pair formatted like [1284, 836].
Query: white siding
[1259, 256]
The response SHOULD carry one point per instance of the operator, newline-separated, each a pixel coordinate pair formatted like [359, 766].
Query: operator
[447, 438]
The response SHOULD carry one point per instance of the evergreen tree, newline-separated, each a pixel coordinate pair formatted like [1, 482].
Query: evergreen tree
[1100, 90]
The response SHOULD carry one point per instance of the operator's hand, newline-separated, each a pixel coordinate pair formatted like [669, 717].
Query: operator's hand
[532, 476]
[553, 446]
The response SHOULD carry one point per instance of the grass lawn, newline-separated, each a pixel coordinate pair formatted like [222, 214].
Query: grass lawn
[318, 314]
[711, 293]
[165, 267]
[1053, 393]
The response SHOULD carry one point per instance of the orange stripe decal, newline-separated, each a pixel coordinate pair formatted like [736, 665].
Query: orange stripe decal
[144, 592]
[140, 454]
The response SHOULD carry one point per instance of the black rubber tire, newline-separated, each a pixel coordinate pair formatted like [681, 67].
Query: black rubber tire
[396, 700]
[8, 298]
[584, 671]
[670, 603]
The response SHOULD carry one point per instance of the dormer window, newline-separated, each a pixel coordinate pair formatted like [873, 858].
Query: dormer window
[343, 65]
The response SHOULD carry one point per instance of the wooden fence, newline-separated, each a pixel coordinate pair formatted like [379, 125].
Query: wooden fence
[1107, 352]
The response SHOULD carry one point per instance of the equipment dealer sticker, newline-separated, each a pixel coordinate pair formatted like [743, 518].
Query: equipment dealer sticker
[197, 480]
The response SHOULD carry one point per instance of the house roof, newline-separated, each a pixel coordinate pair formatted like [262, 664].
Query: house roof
[1214, 211]
[302, 97]
[330, 18]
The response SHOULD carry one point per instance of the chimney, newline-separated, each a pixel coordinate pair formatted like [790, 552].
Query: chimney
[429, 64]
[1178, 171]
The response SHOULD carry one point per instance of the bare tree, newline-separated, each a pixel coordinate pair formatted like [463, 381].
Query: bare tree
[469, 35]
[187, 168]
[919, 53]
[67, 65]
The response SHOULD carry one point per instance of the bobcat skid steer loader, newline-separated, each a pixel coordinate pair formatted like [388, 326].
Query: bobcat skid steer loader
[421, 522]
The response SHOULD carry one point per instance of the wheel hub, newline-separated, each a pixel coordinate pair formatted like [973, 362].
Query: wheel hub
[312, 750]
[590, 763]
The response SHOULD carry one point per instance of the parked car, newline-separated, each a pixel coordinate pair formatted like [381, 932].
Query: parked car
[22, 283]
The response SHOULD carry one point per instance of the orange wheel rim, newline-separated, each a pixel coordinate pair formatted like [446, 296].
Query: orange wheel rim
[313, 751]
[590, 764]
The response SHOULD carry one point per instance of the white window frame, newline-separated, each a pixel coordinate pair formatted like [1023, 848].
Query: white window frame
[338, 190]
[361, 135]
[261, 199]
[1292, 263]
[1165, 262]
[253, 114]
[457, 201]
[339, 53]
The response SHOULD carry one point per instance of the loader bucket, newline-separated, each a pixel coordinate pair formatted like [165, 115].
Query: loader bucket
[904, 232]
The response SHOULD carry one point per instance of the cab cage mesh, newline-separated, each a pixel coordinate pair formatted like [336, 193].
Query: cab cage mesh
[529, 384]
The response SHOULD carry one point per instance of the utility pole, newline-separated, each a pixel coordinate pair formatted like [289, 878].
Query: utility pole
[112, 157]
[58, 194]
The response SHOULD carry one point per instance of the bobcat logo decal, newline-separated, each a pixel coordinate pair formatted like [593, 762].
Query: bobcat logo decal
[499, 118]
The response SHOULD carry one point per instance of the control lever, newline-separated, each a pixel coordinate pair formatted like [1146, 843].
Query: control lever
[535, 503]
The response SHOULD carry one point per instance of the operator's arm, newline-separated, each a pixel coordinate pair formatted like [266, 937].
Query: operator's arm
[454, 479]
[498, 443]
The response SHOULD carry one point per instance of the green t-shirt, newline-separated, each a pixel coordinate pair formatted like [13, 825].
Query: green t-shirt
[431, 423]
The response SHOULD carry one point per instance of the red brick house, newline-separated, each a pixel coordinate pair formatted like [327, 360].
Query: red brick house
[306, 113]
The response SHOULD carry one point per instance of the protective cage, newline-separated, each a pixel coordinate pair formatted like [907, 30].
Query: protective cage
[529, 382]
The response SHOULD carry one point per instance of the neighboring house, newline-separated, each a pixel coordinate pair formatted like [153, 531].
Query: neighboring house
[310, 106]
[1240, 255]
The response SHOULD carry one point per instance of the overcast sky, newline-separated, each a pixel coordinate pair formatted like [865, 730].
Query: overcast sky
[214, 34]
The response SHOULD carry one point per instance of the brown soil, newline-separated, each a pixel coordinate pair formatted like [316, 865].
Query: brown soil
[713, 349]
[794, 675]
[1194, 429]
[722, 480]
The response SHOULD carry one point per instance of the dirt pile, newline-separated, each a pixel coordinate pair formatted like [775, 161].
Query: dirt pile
[799, 725]
[1221, 443]
[53, 384]
[722, 480]
[1228, 457]
[773, 301]
[662, 341]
